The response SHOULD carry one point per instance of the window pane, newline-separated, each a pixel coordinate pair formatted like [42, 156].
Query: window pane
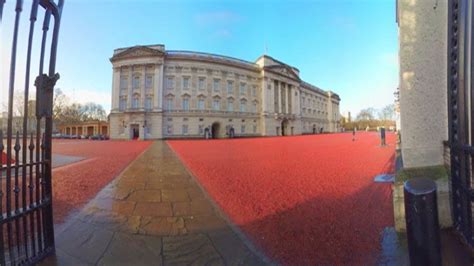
[201, 83]
[149, 82]
[185, 82]
[136, 82]
[230, 87]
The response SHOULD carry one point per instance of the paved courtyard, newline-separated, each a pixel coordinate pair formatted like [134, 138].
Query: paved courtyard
[152, 214]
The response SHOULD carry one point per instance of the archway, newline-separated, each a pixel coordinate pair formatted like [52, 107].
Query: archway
[215, 130]
[284, 127]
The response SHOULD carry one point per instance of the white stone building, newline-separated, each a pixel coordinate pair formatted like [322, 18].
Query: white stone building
[177, 94]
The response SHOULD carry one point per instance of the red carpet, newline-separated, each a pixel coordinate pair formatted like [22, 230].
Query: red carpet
[302, 199]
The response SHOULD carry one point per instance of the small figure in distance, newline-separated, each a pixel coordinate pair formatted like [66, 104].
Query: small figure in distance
[353, 134]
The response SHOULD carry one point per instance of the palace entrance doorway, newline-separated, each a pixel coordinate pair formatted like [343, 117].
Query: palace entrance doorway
[134, 131]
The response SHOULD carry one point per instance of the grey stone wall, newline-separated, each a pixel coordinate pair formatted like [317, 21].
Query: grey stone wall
[423, 87]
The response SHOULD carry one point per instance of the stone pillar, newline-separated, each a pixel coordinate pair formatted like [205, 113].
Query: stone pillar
[157, 85]
[116, 87]
[278, 91]
[143, 89]
[423, 97]
[130, 87]
[287, 95]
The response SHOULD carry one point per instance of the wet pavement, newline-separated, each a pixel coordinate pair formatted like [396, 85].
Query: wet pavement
[395, 249]
[154, 213]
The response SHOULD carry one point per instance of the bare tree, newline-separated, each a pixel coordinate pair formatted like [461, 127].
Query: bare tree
[367, 114]
[387, 113]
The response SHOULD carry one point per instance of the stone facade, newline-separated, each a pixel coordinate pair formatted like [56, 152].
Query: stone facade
[160, 94]
[423, 81]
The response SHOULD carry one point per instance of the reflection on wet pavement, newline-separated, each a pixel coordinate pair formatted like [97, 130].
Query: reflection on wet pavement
[153, 213]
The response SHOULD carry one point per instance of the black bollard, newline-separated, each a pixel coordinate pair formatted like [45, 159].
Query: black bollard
[421, 214]
[382, 136]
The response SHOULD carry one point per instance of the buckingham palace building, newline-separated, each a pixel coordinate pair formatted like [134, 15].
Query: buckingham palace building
[160, 94]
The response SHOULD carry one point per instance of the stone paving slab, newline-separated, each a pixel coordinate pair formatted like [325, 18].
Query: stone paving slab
[154, 213]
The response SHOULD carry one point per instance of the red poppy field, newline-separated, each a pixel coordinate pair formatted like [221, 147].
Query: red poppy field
[301, 199]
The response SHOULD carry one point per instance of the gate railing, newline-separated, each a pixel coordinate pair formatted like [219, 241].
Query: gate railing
[26, 221]
[461, 113]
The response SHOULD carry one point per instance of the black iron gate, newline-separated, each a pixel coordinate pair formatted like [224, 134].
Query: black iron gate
[461, 113]
[26, 223]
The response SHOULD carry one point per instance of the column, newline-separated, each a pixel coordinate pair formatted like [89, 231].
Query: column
[143, 90]
[157, 83]
[278, 91]
[130, 87]
[290, 98]
[115, 87]
[287, 97]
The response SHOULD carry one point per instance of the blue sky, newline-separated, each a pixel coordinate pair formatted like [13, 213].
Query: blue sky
[348, 46]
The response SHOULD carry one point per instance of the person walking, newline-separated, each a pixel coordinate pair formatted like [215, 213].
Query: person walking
[353, 134]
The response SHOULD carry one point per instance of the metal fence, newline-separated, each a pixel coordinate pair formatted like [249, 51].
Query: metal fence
[461, 113]
[26, 223]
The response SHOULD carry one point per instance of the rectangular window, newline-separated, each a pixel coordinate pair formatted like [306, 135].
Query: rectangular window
[242, 129]
[254, 107]
[254, 90]
[123, 83]
[185, 129]
[169, 129]
[230, 106]
[122, 104]
[201, 83]
[242, 88]
[201, 104]
[216, 106]
[169, 104]
[135, 102]
[216, 85]
[185, 83]
[230, 87]
[149, 82]
[170, 83]
[186, 104]
[254, 128]
[148, 103]
[136, 82]
[243, 107]
[201, 129]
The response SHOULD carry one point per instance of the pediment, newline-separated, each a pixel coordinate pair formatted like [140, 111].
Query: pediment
[285, 71]
[136, 51]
